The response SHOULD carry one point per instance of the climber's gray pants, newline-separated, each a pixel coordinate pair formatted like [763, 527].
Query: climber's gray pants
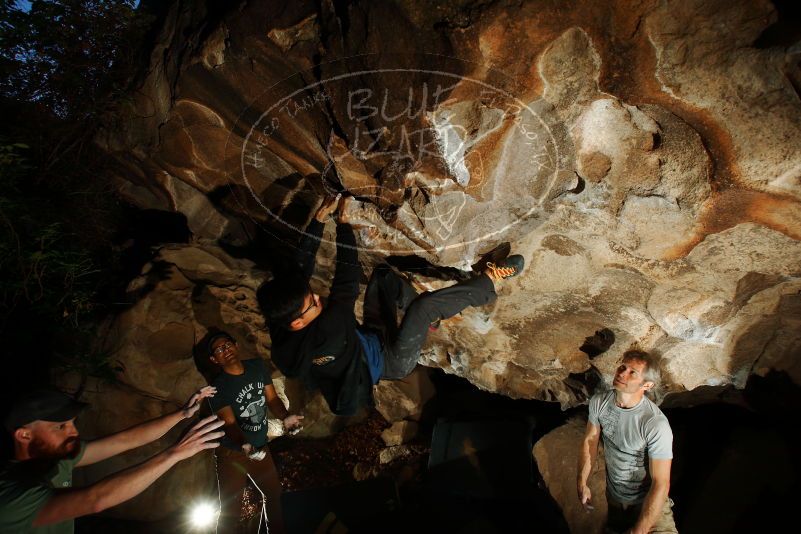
[387, 293]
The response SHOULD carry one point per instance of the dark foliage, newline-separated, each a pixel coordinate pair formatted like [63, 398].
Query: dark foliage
[66, 65]
[72, 57]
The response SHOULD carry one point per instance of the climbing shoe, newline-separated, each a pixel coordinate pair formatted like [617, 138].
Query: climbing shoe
[507, 268]
[495, 255]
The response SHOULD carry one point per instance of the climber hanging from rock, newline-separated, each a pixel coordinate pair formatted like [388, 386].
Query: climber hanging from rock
[321, 342]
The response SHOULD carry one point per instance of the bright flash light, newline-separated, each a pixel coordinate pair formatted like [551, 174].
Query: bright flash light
[203, 515]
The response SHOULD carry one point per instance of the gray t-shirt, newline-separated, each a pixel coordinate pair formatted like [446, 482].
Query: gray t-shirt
[631, 437]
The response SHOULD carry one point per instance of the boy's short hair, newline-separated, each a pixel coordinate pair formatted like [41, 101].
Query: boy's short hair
[281, 299]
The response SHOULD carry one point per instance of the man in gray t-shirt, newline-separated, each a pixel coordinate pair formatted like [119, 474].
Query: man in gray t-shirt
[638, 449]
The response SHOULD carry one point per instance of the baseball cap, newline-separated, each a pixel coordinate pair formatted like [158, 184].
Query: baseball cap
[42, 405]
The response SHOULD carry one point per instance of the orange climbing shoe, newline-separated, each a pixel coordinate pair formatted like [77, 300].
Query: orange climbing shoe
[511, 266]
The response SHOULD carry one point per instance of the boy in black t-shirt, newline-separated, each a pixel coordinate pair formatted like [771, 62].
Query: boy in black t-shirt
[244, 392]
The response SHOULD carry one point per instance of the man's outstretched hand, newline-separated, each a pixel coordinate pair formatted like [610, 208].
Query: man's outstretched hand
[193, 404]
[328, 207]
[204, 435]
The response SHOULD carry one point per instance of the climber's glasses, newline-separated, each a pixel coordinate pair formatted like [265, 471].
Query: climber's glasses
[313, 304]
[224, 347]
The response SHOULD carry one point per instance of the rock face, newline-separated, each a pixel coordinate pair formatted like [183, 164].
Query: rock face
[399, 400]
[183, 293]
[556, 455]
[399, 433]
[645, 158]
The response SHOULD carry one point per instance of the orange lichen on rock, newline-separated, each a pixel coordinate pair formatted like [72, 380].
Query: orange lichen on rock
[731, 207]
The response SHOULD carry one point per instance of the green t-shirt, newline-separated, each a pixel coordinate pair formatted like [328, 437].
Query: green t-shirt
[245, 395]
[26, 486]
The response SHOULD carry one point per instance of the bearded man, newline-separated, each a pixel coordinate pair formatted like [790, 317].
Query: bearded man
[36, 493]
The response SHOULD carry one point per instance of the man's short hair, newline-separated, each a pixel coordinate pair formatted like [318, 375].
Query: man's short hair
[651, 373]
[281, 299]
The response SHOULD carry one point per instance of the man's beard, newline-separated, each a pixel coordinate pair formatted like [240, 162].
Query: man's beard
[68, 449]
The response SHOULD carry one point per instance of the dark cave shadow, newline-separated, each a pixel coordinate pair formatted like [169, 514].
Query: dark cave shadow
[477, 483]
[585, 384]
[786, 31]
[270, 239]
[736, 468]
[139, 237]
[159, 271]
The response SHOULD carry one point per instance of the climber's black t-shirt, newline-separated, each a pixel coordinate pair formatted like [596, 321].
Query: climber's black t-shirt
[245, 395]
[327, 354]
